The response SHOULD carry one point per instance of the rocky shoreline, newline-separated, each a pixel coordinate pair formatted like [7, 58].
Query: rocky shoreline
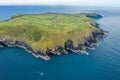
[68, 46]
[88, 43]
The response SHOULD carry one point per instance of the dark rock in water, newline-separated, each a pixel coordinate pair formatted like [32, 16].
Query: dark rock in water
[49, 51]
[24, 45]
[95, 34]
[69, 44]
[95, 24]
[1, 45]
[59, 49]
[39, 52]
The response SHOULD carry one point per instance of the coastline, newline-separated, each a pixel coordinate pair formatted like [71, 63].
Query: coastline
[88, 44]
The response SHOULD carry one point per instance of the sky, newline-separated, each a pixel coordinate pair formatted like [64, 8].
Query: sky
[62, 2]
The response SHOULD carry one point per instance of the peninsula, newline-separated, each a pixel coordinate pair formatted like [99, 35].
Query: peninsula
[48, 34]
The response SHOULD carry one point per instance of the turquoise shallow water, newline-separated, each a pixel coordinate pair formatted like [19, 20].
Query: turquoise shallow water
[102, 64]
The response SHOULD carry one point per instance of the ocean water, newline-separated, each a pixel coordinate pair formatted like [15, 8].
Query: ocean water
[102, 64]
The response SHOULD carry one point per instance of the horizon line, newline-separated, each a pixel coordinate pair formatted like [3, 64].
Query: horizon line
[57, 5]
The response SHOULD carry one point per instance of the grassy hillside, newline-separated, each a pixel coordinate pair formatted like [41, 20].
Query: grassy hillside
[41, 31]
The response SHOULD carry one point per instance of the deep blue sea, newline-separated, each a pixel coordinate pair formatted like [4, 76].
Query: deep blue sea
[102, 64]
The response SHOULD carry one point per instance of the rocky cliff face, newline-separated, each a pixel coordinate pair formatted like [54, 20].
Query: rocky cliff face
[89, 43]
